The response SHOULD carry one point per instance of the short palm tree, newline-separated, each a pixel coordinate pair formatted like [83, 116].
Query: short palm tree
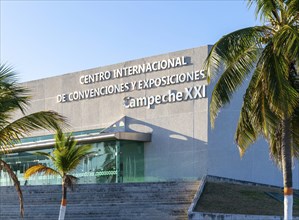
[268, 55]
[13, 98]
[66, 156]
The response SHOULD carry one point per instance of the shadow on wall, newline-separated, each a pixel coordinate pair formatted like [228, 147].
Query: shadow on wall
[170, 155]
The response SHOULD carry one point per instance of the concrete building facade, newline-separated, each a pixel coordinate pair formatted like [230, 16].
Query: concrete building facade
[151, 116]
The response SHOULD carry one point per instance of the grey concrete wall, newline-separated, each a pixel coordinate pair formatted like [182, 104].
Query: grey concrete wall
[183, 144]
[179, 130]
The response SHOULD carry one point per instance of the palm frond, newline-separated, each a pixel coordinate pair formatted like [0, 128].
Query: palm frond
[40, 169]
[293, 12]
[247, 131]
[23, 126]
[283, 98]
[77, 154]
[275, 146]
[230, 48]
[267, 9]
[246, 134]
[68, 159]
[286, 41]
[67, 153]
[231, 79]
[233, 57]
[49, 156]
[14, 178]
[261, 114]
[6, 73]
[257, 115]
[12, 96]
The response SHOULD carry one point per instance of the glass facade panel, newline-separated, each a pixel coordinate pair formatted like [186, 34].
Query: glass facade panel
[132, 161]
[99, 167]
[112, 161]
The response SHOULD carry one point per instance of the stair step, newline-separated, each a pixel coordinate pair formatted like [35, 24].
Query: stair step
[132, 201]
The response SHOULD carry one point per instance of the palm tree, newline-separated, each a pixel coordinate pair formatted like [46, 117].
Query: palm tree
[13, 98]
[268, 55]
[66, 156]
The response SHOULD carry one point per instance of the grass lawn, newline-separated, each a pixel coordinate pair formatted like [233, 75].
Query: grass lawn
[241, 199]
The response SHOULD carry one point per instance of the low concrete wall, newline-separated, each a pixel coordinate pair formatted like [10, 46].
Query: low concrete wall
[192, 215]
[221, 216]
[197, 196]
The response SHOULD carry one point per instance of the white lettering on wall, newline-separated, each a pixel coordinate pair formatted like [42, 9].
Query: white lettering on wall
[150, 67]
[142, 84]
[196, 92]
[134, 85]
[96, 77]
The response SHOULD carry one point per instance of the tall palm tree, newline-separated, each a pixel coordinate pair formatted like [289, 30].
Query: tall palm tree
[268, 55]
[66, 156]
[13, 98]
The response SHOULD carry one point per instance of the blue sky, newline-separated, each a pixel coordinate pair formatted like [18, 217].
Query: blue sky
[47, 38]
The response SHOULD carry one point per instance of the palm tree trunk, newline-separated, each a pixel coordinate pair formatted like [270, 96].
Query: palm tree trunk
[63, 203]
[14, 178]
[286, 156]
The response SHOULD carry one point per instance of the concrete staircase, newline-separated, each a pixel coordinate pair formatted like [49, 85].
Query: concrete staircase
[126, 201]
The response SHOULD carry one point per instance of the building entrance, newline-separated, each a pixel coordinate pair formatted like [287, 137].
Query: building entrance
[113, 161]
